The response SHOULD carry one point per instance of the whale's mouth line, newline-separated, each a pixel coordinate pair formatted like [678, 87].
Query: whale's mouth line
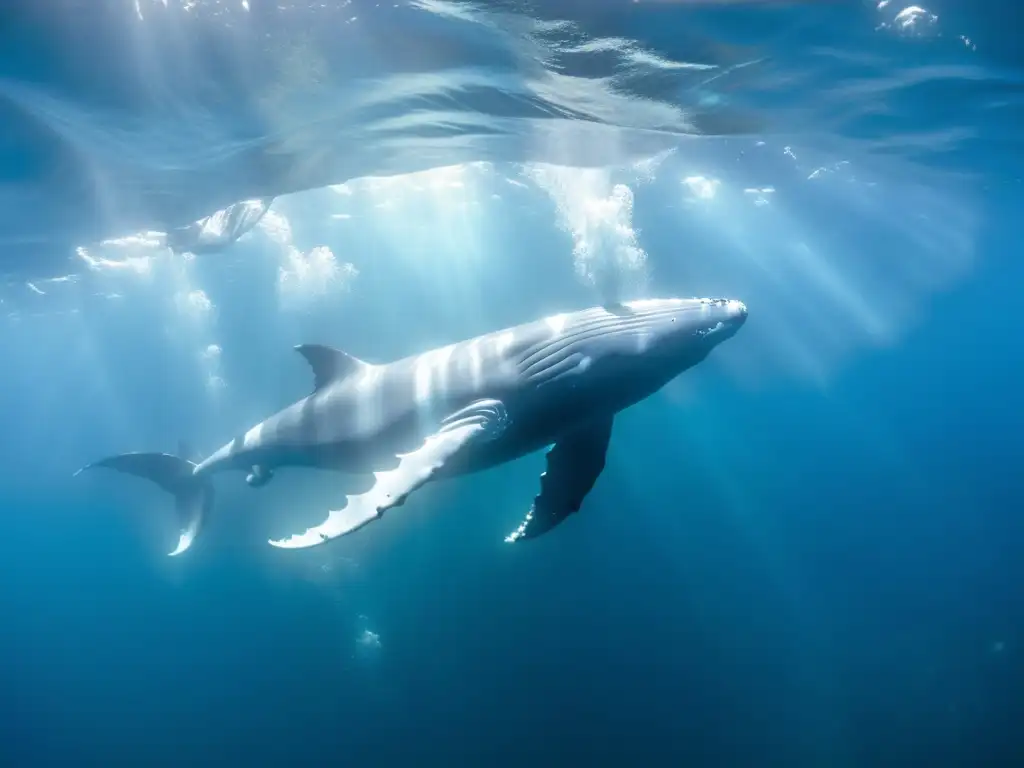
[706, 332]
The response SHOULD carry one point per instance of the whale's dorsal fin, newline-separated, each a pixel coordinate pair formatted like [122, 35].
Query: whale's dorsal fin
[328, 364]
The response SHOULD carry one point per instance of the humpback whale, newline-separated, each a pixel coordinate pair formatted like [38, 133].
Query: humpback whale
[472, 405]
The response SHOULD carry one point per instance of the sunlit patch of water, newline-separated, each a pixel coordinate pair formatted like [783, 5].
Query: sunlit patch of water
[304, 277]
[598, 215]
[910, 20]
[368, 645]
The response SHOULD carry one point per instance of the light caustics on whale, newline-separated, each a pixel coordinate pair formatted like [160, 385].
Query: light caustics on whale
[459, 409]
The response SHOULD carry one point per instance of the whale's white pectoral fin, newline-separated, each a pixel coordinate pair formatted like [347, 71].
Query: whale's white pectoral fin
[390, 489]
[483, 420]
[574, 464]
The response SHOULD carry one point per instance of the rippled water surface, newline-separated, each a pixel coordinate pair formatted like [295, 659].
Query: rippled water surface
[149, 115]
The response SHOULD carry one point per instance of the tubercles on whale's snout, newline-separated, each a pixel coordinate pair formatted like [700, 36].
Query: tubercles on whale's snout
[737, 309]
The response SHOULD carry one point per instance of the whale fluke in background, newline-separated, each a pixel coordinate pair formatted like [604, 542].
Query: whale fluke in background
[220, 229]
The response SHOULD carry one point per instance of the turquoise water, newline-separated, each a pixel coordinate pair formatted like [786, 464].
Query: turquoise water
[802, 552]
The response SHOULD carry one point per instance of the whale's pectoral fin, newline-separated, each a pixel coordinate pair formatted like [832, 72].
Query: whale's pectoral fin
[482, 421]
[574, 464]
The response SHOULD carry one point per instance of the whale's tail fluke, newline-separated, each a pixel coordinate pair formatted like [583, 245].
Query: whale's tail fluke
[193, 494]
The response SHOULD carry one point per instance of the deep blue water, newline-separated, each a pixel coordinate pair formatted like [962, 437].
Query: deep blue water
[803, 552]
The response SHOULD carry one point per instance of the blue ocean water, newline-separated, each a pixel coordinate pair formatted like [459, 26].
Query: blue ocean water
[803, 552]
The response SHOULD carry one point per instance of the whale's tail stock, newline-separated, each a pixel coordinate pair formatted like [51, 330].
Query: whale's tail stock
[193, 494]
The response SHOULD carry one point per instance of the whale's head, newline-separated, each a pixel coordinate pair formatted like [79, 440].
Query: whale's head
[680, 329]
[617, 355]
[653, 340]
